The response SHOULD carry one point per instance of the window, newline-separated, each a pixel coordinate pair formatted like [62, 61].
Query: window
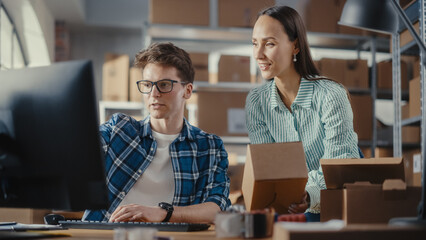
[11, 54]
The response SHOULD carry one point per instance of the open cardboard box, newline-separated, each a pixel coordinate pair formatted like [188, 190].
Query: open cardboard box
[275, 175]
[366, 190]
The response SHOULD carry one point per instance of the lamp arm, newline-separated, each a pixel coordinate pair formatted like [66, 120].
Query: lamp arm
[410, 27]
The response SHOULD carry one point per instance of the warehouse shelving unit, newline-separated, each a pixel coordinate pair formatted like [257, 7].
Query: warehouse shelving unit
[415, 11]
[237, 41]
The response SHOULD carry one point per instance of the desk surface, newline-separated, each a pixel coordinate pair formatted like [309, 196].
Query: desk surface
[355, 232]
[83, 234]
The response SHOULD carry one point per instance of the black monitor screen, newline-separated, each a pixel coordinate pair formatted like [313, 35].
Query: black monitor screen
[50, 154]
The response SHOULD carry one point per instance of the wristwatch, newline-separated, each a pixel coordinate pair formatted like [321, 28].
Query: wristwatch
[169, 208]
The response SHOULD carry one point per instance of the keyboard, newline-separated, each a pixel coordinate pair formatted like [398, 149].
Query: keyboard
[160, 226]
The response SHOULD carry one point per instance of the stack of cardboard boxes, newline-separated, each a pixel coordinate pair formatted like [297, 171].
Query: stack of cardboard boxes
[349, 181]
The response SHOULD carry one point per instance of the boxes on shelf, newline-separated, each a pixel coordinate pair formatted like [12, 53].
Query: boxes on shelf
[265, 184]
[348, 181]
[315, 19]
[363, 115]
[405, 111]
[408, 156]
[115, 77]
[414, 95]
[233, 68]
[240, 13]
[185, 12]
[417, 169]
[405, 36]
[218, 112]
[410, 134]
[200, 61]
[378, 152]
[351, 73]
[416, 68]
[135, 75]
[384, 75]
[23, 215]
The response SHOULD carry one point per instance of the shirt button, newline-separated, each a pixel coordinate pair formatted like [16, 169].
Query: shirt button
[139, 171]
[152, 149]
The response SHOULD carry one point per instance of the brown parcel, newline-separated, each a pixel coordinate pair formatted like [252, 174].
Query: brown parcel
[275, 175]
[366, 198]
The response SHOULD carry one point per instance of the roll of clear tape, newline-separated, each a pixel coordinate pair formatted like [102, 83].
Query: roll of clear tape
[229, 224]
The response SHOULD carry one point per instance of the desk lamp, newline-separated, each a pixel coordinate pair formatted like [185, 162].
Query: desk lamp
[383, 16]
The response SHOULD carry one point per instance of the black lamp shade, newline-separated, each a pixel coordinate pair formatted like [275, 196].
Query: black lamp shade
[372, 15]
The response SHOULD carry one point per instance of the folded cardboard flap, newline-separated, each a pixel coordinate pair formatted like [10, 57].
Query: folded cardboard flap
[275, 175]
[337, 172]
[394, 184]
[273, 161]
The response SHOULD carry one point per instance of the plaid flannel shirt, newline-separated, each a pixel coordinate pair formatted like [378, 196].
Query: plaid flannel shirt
[199, 161]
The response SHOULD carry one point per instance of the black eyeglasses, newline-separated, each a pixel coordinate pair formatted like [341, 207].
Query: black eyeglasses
[163, 86]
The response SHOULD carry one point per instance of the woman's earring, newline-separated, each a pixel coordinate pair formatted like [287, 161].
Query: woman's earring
[294, 58]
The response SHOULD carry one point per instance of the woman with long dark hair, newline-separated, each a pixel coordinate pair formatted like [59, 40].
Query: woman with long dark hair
[297, 104]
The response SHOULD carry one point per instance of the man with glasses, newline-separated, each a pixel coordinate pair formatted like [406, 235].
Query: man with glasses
[161, 168]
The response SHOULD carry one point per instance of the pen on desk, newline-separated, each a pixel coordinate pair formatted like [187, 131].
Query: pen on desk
[7, 223]
[163, 238]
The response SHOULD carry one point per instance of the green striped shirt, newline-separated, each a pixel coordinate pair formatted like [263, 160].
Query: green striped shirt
[321, 118]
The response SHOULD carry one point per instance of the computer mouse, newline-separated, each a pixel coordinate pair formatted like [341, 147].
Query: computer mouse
[53, 219]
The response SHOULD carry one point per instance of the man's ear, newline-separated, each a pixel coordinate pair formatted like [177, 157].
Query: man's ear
[188, 90]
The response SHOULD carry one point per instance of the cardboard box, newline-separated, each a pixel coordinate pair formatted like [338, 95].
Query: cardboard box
[334, 231]
[220, 112]
[410, 134]
[115, 77]
[351, 73]
[405, 36]
[185, 12]
[233, 69]
[417, 169]
[134, 94]
[414, 95]
[200, 61]
[23, 215]
[266, 183]
[416, 68]
[362, 111]
[356, 74]
[235, 174]
[317, 21]
[332, 68]
[405, 111]
[408, 156]
[240, 13]
[349, 181]
[384, 75]
[378, 152]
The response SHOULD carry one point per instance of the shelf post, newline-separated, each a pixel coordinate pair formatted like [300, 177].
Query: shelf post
[396, 95]
[422, 20]
[373, 93]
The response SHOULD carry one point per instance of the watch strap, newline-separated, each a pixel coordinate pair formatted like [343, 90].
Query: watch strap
[169, 208]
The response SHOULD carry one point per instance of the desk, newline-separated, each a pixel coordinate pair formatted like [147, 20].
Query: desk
[355, 232]
[84, 234]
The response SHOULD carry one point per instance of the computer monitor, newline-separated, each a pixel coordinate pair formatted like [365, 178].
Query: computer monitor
[50, 155]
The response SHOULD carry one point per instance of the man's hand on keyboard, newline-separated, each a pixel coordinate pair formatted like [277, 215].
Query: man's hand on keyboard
[138, 213]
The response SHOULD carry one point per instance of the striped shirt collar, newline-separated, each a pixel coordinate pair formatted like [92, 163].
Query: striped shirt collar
[303, 98]
[146, 130]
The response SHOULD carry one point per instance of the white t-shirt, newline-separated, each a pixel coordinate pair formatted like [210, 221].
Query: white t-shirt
[157, 183]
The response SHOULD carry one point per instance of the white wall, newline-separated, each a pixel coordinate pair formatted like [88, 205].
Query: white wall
[93, 43]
